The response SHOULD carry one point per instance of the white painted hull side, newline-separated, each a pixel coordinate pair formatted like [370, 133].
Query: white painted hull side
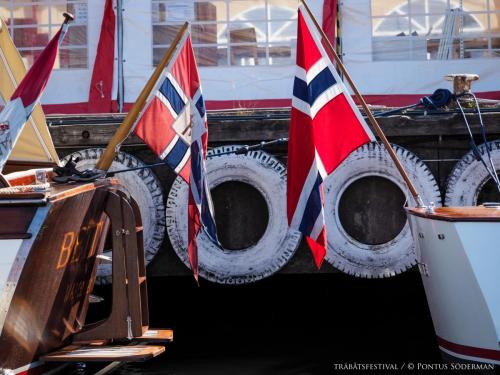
[8, 253]
[460, 268]
[13, 256]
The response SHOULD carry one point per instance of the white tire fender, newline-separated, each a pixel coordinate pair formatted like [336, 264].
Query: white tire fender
[469, 176]
[367, 260]
[274, 249]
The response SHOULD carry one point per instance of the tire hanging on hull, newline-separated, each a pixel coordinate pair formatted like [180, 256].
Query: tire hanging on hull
[372, 258]
[145, 187]
[271, 252]
[468, 178]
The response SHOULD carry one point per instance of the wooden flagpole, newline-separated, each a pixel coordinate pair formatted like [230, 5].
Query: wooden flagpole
[123, 131]
[373, 121]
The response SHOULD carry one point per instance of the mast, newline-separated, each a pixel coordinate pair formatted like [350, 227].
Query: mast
[371, 118]
[124, 130]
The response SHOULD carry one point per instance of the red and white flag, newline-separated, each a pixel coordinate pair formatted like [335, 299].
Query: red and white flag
[174, 125]
[17, 111]
[325, 127]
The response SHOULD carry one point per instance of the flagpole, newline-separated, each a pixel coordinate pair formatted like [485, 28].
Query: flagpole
[68, 17]
[124, 130]
[371, 118]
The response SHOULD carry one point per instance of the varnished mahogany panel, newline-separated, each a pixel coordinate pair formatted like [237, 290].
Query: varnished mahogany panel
[51, 297]
[156, 335]
[128, 353]
[478, 213]
[16, 219]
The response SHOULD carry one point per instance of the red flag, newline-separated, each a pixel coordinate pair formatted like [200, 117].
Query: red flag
[31, 87]
[23, 100]
[325, 127]
[101, 84]
[174, 125]
[330, 19]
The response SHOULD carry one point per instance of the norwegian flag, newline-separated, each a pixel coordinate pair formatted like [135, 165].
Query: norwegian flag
[174, 125]
[325, 127]
[17, 111]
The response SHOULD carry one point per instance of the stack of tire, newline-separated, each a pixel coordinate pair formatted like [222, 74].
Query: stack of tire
[368, 234]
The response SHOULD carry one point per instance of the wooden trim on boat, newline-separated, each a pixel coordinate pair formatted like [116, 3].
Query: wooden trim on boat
[156, 335]
[19, 220]
[15, 236]
[128, 353]
[54, 272]
[22, 165]
[64, 191]
[479, 213]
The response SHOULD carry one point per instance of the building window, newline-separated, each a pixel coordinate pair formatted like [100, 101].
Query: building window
[435, 29]
[33, 23]
[229, 33]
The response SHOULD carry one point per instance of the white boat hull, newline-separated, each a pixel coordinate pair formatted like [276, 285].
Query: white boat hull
[8, 253]
[460, 267]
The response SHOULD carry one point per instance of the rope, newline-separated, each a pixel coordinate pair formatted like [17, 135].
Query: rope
[260, 146]
[440, 98]
[112, 173]
[475, 150]
[488, 146]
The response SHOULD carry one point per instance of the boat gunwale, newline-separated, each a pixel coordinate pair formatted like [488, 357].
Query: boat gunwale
[458, 214]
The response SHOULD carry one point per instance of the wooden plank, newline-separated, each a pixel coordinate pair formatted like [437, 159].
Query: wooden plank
[115, 325]
[242, 127]
[15, 236]
[156, 335]
[129, 353]
[478, 213]
[63, 191]
[87, 135]
[19, 219]
[452, 124]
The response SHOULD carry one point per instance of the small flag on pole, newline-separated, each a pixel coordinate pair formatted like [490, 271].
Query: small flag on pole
[174, 125]
[325, 127]
[17, 111]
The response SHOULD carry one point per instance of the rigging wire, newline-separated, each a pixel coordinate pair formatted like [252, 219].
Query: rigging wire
[475, 150]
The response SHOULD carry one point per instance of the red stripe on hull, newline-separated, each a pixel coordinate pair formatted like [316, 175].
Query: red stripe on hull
[469, 351]
[214, 105]
[217, 105]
